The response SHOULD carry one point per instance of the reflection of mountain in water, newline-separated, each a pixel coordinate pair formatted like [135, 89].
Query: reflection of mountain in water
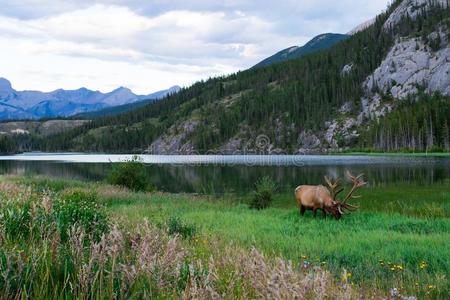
[219, 178]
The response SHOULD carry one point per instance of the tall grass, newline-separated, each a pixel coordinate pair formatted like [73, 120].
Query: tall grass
[381, 249]
[138, 262]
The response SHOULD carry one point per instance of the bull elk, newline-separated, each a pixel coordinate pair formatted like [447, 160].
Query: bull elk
[314, 197]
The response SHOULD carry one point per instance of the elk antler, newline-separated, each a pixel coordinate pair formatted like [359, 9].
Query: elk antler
[357, 183]
[334, 186]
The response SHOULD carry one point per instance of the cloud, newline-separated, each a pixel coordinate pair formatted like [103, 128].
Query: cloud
[165, 42]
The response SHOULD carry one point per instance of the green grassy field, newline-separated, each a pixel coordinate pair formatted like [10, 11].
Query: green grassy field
[398, 239]
[381, 249]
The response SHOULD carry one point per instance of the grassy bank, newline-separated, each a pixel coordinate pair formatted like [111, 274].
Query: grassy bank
[411, 154]
[399, 238]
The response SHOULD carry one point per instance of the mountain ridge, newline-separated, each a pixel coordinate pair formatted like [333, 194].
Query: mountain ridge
[319, 42]
[30, 104]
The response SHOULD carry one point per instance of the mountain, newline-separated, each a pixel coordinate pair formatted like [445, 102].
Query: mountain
[320, 42]
[63, 103]
[114, 110]
[385, 88]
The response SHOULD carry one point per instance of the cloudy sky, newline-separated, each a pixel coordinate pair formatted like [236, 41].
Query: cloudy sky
[148, 45]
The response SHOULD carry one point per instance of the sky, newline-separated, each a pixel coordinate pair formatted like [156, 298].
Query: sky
[150, 45]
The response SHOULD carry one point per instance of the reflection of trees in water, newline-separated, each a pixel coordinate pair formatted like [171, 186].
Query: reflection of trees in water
[241, 178]
[219, 178]
[81, 171]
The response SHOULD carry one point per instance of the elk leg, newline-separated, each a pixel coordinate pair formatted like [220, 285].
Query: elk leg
[302, 210]
[315, 212]
[324, 213]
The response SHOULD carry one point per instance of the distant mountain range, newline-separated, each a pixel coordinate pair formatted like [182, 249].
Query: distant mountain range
[320, 42]
[65, 103]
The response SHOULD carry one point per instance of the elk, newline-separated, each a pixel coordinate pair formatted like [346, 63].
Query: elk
[314, 197]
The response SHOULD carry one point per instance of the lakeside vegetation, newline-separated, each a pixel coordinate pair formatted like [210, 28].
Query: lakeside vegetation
[371, 152]
[397, 240]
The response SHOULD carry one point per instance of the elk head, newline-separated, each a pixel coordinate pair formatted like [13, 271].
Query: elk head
[341, 207]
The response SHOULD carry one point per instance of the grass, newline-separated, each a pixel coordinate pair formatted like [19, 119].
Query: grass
[411, 154]
[357, 243]
[144, 262]
[398, 239]
[423, 201]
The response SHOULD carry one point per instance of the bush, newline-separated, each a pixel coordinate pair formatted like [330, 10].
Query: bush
[130, 174]
[262, 196]
[176, 226]
[81, 209]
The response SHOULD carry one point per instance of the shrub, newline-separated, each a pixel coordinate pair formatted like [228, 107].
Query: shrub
[176, 226]
[262, 196]
[130, 174]
[81, 209]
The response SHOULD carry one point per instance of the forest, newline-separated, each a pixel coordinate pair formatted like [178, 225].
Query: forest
[417, 124]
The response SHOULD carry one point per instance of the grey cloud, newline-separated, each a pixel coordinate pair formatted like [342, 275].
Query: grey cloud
[235, 34]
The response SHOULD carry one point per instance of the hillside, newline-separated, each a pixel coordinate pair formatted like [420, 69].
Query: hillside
[324, 101]
[320, 42]
[114, 110]
[63, 103]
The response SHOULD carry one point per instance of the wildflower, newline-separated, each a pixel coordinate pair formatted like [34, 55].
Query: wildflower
[306, 264]
[430, 286]
[345, 276]
[304, 257]
[423, 265]
[394, 292]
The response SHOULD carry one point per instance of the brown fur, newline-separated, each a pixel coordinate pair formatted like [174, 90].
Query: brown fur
[314, 197]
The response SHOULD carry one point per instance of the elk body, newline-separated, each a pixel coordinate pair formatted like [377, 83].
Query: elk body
[314, 197]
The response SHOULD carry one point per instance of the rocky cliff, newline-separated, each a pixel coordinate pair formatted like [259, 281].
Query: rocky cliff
[413, 63]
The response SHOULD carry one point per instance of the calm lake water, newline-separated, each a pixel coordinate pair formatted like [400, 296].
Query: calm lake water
[217, 174]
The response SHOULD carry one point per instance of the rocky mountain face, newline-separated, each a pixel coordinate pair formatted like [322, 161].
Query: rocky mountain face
[410, 65]
[63, 103]
[411, 9]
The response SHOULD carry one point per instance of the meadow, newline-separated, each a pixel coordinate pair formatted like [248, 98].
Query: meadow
[206, 246]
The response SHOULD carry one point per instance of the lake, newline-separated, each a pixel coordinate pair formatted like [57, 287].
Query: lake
[235, 173]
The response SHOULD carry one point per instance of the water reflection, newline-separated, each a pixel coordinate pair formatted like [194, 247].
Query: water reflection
[213, 178]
